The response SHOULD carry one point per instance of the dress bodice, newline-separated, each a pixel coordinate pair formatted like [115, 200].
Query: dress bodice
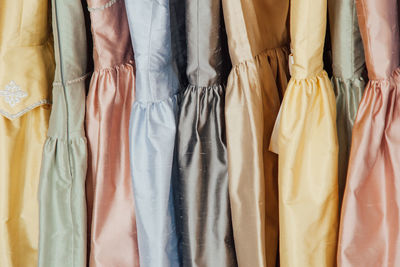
[254, 26]
[27, 56]
[380, 33]
[156, 78]
[110, 31]
[203, 31]
[347, 47]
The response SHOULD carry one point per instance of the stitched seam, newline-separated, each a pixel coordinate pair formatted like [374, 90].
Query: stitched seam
[149, 51]
[197, 44]
[263, 52]
[99, 8]
[116, 66]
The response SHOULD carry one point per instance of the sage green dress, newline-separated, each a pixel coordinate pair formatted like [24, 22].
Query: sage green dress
[62, 238]
[349, 77]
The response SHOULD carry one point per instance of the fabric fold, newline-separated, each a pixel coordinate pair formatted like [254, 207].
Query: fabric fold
[111, 208]
[200, 186]
[152, 131]
[153, 128]
[349, 76]
[307, 146]
[26, 73]
[369, 233]
[258, 39]
[305, 138]
[62, 240]
[348, 94]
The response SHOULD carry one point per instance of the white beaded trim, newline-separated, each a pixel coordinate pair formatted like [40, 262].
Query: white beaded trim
[109, 4]
[77, 80]
[25, 110]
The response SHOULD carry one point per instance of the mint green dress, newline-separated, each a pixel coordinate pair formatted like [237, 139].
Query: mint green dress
[62, 211]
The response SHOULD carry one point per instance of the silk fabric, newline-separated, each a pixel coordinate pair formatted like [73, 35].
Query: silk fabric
[305, 138]
[258, 40]
[369, 233]
[26, 73]
[349, 77]
[201, 186]
[112, 218]
[152, 131]
[62, 179]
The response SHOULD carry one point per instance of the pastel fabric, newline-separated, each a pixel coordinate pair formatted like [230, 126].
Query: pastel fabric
[62, 178]
[306, 139]
[200, 189]
[26, 72]
[349, 75]
[369, 233]
[258, 41]
[111, 209]
[152, 131]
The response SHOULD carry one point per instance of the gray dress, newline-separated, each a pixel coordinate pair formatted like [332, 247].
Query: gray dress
[201, 186]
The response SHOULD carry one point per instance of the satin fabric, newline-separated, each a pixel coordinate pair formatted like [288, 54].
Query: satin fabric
[62, 178]
[200, 189]
[26, 73]
[112, 224]
[306, 139]
[152, 131]
[258, 39]
[369, 233]
[348, 75]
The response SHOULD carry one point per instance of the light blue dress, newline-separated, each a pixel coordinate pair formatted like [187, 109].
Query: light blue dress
[152, 131]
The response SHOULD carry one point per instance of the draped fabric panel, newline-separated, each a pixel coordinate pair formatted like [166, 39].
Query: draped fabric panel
[112, 220]
[26, 73]
[305, 138]
[152, 131]
[348, 75]
[369, 233]
[201, 185]
[258, 39]
[62, 180]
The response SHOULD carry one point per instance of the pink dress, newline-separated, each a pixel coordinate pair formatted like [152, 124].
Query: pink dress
[111, 213]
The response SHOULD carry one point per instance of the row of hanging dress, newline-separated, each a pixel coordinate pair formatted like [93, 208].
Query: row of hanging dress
[178, 168]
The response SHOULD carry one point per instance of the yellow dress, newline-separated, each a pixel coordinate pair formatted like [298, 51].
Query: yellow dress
[26, 74]
[306, 139]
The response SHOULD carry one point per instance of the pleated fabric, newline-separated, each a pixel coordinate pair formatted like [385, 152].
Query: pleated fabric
[152, 131]
[369, 234]
[348, 76]
[112, 221]
[306, 139]
[258, 40]
[26, 72]
[200, 187]
[62, 178]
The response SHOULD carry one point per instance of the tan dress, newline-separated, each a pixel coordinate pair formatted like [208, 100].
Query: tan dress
[258, 41]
